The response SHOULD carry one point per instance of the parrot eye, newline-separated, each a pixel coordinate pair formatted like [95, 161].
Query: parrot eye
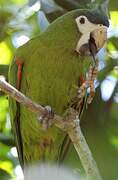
[82, 20]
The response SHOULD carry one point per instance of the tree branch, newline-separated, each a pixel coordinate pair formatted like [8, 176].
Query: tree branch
[70, 124]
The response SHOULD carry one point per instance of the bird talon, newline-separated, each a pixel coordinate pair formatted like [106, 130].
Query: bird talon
[47, 118]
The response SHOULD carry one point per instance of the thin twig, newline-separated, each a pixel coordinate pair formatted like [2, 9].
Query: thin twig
[70, 124]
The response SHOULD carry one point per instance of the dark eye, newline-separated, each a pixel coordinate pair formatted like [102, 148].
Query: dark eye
[82, 20]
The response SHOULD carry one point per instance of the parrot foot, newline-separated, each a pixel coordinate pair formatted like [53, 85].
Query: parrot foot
[82, 91]
[88, 83]
[91, 78]
[47, 119]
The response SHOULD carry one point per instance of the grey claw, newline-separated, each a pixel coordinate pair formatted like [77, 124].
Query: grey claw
[50, 112]
[47, 118]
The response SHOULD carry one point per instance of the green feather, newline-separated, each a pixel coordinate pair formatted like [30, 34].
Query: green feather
[50, 76]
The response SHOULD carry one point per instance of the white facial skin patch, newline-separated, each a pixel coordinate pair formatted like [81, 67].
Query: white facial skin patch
[98, 31]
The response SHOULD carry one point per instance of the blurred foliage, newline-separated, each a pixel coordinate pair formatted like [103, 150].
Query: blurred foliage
[20, 20]
[52, 172]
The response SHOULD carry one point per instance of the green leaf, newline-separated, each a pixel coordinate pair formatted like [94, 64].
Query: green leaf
[5, 53]
[4, 175]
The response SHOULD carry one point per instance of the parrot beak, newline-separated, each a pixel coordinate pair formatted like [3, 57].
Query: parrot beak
[98, 37]
[91, 43]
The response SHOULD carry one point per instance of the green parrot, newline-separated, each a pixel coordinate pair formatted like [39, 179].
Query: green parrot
[51, 66]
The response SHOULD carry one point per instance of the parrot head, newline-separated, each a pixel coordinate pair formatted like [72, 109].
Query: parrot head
[93, 27]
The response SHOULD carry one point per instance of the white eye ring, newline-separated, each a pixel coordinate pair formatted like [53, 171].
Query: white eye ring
[81, 20]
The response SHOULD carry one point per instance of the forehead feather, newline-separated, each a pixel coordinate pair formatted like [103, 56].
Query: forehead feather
[94, 16]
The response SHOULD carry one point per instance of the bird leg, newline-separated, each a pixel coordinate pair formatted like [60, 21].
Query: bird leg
[47, 118]
[82, 89]
[19, 63]
[88, 83]
[91, 78]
